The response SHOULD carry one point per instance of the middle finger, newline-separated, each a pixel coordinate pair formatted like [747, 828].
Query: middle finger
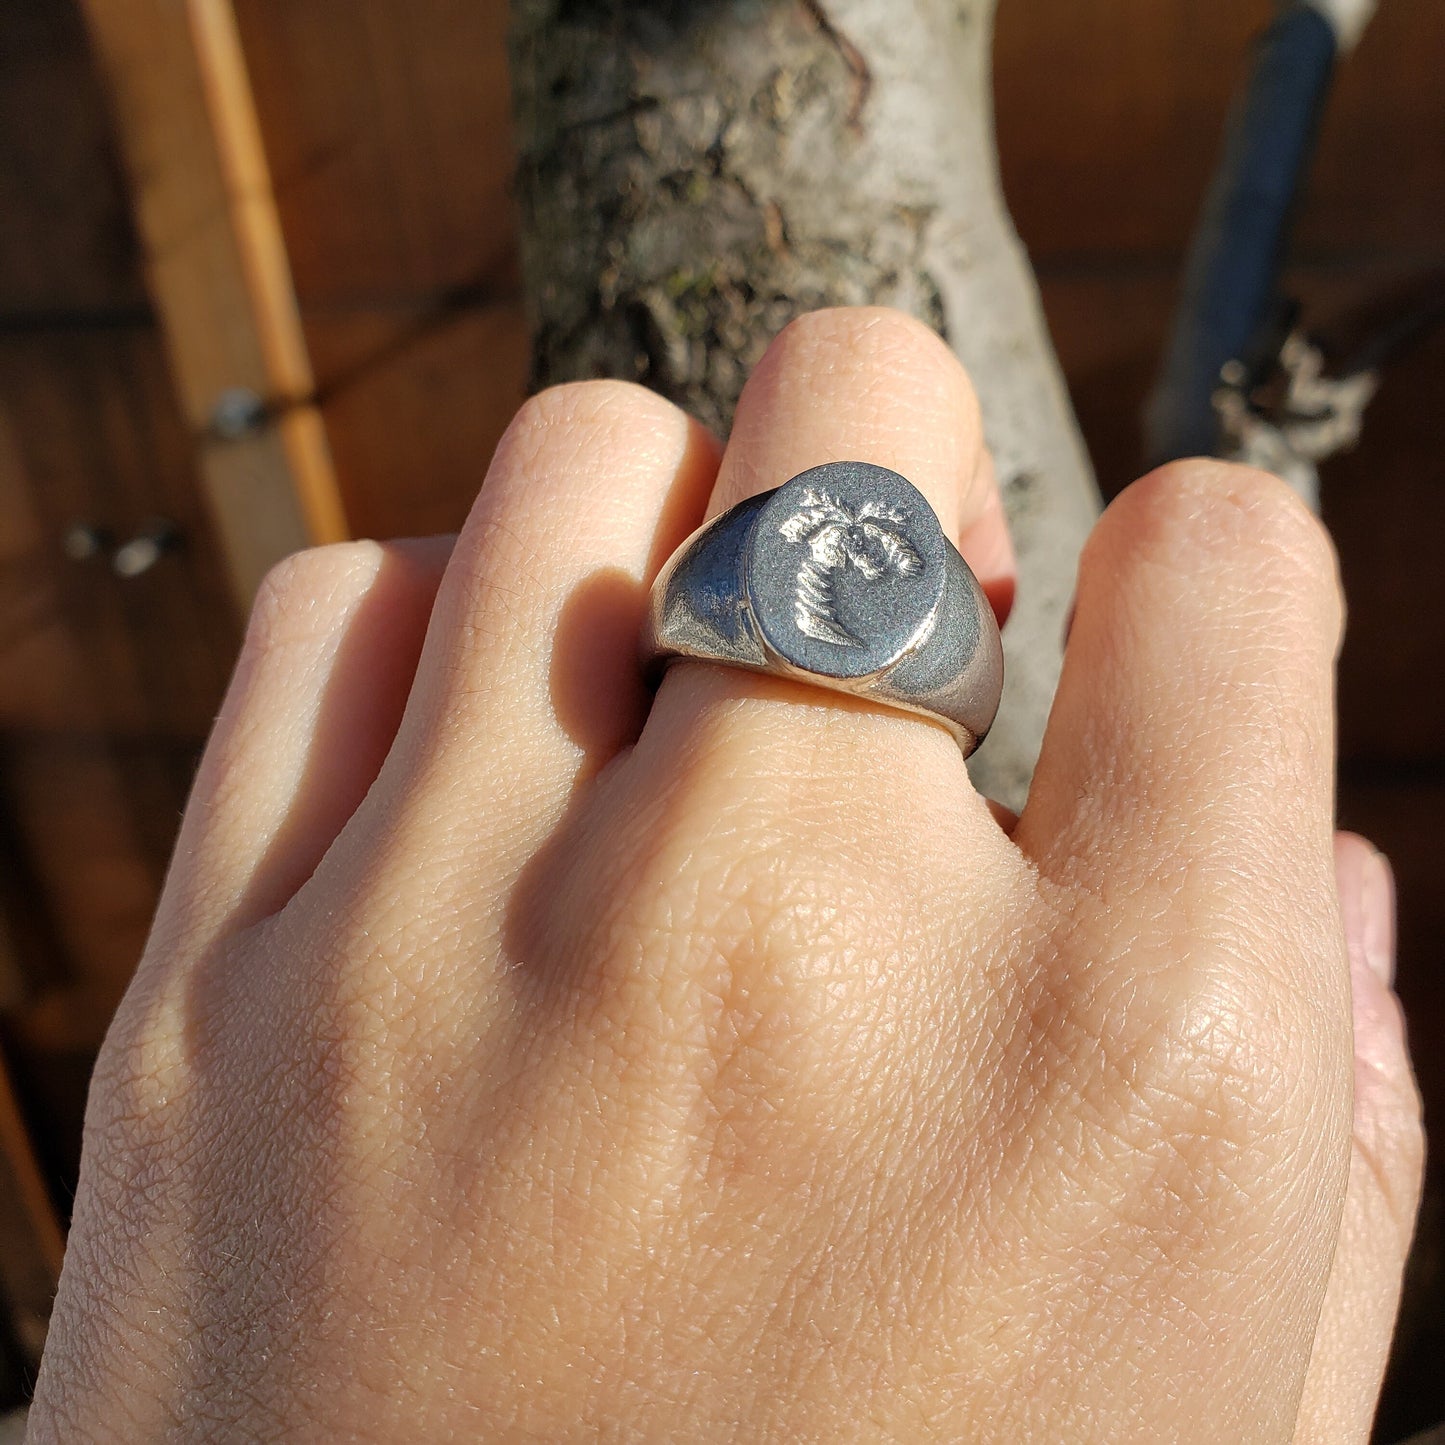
[868, 385]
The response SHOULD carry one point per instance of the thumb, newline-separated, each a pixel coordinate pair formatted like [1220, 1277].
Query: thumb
[1386, 1162]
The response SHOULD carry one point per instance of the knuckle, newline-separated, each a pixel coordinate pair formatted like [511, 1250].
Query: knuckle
[141, 1128]
[1221, 1058]
[871, 326]
[882, 340]
[302, 593]
[1210, 1115]
[1224, 504]
[1207, 1046]
[1280, 520]
[142, 1068]
[1223, 520]
[1259, 1089]
[571, 430]
[591, 404]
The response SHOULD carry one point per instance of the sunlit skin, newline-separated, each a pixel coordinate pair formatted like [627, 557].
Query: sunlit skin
[519, 1056]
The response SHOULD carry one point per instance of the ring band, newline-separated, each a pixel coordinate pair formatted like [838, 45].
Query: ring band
[842, 578]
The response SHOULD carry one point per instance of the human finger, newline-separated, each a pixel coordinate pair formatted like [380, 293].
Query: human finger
[987, 544]
[1352, 1339]
[528, 680]
[867, 385]
[312, 708]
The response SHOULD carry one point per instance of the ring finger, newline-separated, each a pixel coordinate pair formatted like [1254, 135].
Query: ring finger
[863, 385]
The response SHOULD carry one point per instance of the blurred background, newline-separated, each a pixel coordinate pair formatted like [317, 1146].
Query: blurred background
[139, 456]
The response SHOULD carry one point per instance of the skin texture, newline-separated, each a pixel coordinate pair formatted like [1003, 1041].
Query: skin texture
[517, 1056]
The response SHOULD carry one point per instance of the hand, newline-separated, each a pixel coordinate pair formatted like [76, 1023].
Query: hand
[519, 1057]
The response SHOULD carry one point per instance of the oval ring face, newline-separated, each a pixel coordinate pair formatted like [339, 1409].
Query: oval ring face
[845, 570]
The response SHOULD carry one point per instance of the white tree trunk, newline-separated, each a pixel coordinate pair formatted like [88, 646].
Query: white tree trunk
[694, 173]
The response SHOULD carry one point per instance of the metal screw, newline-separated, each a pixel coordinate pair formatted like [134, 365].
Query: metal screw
[239, 412]
[145, 549]
[85, 541]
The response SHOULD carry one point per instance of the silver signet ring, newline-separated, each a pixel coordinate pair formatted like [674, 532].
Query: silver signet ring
[841, 578]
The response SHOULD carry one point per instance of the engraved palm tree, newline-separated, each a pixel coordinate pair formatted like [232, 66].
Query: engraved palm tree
[870, 540]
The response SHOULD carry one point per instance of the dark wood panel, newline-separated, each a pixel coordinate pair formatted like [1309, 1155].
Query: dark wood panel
[92, 823]
[1109, 117]
[1110, 120]
[94, 437]
[387, 125]
[30, 1264]
[43, 678]
[1109, 332]
[87, 825]
[414, 404]
[66, 242]
[1379, 178]
[1385, 505]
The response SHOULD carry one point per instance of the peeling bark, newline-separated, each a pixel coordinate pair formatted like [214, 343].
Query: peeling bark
[695, 173]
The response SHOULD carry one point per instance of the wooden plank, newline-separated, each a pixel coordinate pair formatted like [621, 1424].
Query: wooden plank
[92, 822]
[388, 128]
[90, 434]
[415, 402]
[67, 246]
[42, 671]
[217, 268]
[1110, 120]
[30, 1263]
[1379, 176]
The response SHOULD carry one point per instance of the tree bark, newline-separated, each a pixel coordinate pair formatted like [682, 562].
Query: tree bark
[695, 173]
